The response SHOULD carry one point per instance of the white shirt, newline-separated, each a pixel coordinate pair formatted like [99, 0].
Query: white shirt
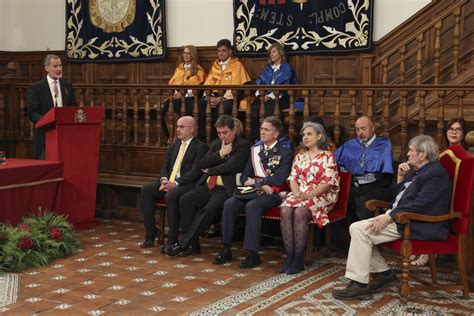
[57, 100]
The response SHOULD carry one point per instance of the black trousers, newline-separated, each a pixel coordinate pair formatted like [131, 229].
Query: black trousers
[254, 210]
[149, 195]
[197, 210]
[358, 195]
[214, 115]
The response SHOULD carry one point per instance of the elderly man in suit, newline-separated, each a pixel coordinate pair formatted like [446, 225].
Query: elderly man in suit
[220, 166]
[177, 176]
[52, 91]
[423, 186]
[267, 170]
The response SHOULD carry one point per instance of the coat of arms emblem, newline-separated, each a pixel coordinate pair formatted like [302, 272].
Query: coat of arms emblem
[80, 116]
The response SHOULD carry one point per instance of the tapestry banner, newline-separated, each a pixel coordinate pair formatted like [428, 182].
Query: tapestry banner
[115, 30]
[302, 26]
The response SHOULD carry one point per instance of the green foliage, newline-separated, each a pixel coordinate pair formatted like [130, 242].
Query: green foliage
[36, 241]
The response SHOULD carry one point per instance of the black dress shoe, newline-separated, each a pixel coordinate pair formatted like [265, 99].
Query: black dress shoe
[150, 239]
[223, 256]
[173, 250]
[296, 266]
[251, 261]
[166, 245]
[188, 251]
[353, 292]
[381, 282]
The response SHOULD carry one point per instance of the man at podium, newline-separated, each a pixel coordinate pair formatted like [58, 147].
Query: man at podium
[52, 91]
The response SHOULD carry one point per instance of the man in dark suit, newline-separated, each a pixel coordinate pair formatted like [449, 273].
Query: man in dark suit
[220, 166]
[52, 91]
[423, 186]
[266, 170]
[177, 176]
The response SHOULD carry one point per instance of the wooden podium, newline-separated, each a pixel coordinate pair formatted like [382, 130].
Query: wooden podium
[73, 137]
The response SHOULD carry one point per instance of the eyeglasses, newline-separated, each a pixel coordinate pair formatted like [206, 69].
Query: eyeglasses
[183, 126]
[455, 130]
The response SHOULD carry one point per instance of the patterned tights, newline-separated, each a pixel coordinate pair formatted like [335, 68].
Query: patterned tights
[294, 230]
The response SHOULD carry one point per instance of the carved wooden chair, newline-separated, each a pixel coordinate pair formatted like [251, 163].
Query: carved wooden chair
[460, 167]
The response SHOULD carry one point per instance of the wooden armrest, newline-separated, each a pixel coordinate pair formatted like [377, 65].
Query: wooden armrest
[375, 205]
[405, 217]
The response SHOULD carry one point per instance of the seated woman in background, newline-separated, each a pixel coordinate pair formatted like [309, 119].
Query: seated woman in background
[277, 71]
[332, 146]
[455, 132]
[187, 72]
[314, 183]
[454, 135]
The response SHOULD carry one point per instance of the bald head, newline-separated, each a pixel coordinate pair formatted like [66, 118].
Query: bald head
[364, 128]
[185, 128]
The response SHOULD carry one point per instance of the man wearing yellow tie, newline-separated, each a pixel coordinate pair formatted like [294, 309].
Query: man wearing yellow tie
[198, 208]
[177, 176]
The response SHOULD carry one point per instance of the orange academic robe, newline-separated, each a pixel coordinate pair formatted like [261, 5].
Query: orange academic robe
[182, 77]
[234, 74]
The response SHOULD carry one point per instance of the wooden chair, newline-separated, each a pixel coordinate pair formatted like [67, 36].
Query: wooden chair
[160, 206]
[338, 213]
[460, 167]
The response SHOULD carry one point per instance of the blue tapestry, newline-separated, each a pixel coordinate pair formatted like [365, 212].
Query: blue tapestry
[115, 30]
[302, 26]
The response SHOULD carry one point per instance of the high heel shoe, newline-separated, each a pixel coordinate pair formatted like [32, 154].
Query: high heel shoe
[421, 261]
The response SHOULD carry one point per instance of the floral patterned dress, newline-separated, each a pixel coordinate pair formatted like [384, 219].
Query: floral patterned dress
[309, 173]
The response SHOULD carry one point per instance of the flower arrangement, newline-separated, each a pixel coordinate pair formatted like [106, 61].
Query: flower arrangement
[36, 241]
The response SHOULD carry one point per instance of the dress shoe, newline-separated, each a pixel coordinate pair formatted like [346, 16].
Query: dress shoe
[167, 244]
[353, 292]
[188, 251]
[150, 239]
[223, 256]
[381, 282]
[286, 264]
[251, 261]
[296, 266]
[173, 250]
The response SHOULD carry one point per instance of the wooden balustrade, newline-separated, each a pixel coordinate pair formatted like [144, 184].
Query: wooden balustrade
[429, 55]
[133, 113]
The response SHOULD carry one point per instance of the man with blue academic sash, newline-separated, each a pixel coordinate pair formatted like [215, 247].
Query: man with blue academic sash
[263, 177]
[369, 158]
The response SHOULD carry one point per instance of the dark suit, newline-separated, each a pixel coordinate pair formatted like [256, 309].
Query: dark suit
[428, 194]
[199, 207]
[277, 162]
[186, 182]
[40, 101]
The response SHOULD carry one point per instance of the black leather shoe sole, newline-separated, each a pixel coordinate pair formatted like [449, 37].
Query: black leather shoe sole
[361, 297]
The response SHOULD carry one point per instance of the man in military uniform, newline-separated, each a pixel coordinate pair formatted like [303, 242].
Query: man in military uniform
[266, 171]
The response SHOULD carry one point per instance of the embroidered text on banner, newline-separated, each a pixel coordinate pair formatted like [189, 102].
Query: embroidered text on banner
[302, 26]
[115, 30]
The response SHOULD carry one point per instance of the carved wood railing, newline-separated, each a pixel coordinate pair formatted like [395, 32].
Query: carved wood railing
[133, 112]
[432, 53]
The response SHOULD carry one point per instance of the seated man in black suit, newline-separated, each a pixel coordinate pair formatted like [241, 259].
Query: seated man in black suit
[423, 186]
[52, 91]
[267, 170]
[220, 165]
[177, 176]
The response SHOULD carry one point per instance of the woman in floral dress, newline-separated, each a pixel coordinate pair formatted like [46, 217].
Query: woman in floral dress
[314, 183]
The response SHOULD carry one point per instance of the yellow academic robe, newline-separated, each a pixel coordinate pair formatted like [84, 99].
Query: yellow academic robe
[234, 74]
[182, 77]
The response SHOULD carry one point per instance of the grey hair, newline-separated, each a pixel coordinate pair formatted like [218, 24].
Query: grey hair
[276, 123]
[48, 58]
[426, 144]
[318, 129]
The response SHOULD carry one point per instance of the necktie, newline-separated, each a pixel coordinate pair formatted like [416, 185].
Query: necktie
[56, 92]
[211, 182]
[177, 162]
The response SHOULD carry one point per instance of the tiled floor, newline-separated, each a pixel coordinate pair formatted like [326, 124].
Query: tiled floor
[113, 275]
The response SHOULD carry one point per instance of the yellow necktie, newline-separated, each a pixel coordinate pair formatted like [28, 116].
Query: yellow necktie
[177, 162]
